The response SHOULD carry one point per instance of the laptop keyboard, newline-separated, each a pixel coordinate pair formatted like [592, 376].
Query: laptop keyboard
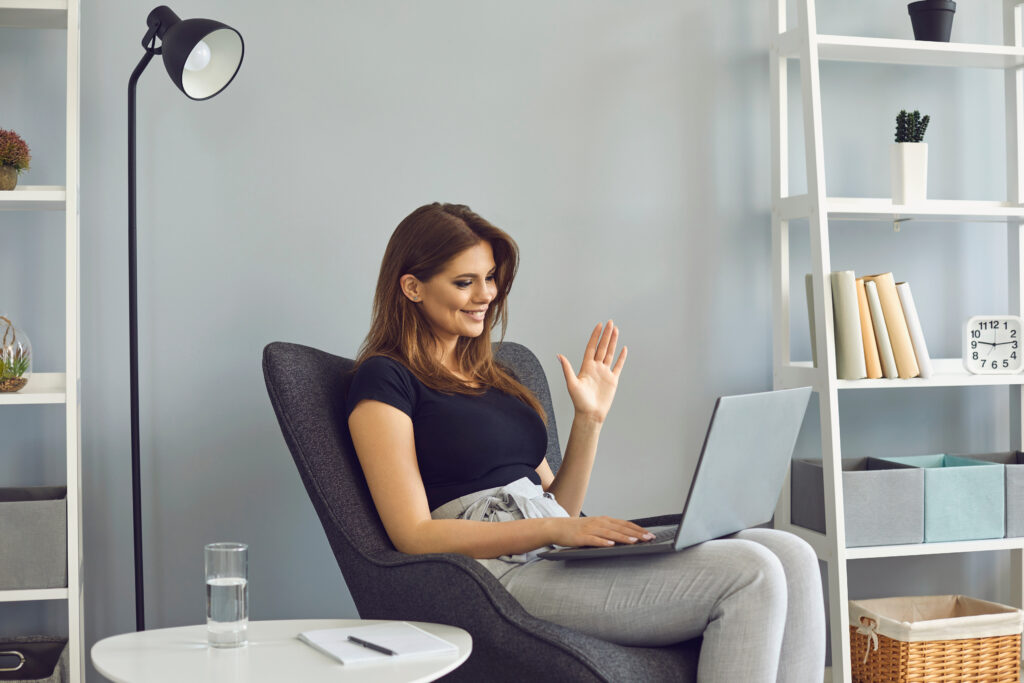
[666, 534]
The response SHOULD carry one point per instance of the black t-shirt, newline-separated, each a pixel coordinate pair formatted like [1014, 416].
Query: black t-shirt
[463, 443]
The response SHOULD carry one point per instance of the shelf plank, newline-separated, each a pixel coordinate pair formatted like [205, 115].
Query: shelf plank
[918, 53]
[34, 13]
[947, 372]
[42, 387]
[34, 594]
[874, 209]
[934, 548]
[33, 198]
[850, 208]
[902, 52]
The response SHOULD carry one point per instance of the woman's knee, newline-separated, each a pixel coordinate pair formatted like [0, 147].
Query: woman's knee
[796, 554]
[758, 572]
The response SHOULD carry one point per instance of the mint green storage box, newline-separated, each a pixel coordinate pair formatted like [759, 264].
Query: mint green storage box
[964, 499]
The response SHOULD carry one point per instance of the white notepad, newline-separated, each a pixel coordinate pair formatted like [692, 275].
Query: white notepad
[402, 637]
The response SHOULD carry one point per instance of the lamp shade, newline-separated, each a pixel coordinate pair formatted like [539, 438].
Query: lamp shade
[201, 56]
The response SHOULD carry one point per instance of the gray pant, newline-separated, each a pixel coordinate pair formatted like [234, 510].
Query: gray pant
[755, 597]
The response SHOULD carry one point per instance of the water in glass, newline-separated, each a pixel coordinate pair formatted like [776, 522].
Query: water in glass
[227, 611]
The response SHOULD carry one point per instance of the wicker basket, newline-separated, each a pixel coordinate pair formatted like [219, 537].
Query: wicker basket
[934, 639]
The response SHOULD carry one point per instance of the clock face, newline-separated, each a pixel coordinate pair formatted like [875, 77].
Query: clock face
[992, 344]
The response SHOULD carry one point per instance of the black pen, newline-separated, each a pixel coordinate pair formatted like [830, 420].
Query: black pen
[372, 646]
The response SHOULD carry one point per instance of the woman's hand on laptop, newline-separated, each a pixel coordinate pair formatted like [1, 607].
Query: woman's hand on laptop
[596, 531]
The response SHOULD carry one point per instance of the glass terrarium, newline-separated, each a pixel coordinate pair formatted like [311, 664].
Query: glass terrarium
[15, 357]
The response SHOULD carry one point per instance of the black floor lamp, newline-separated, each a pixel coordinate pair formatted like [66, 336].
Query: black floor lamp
[202, 56]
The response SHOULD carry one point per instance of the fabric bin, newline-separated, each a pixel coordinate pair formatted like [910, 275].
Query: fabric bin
[963, 498]
[1013, 462]
[883, 504]
[33, 535]
[35, 659]
[934, 638]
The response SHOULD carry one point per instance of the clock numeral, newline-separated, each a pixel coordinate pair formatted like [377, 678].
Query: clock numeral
[1013, 334]
[1013, 355]
[974, 344]
[974, 356]
[995, 365]
[976, 334]
[1006, 363]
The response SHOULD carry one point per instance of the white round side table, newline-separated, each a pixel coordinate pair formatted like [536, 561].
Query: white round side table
[274, 654]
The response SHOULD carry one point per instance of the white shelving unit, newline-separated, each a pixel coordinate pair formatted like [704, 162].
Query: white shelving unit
[802, 43]
[58, 387]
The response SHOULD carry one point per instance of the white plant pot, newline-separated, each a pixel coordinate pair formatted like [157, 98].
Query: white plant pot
[909, 161]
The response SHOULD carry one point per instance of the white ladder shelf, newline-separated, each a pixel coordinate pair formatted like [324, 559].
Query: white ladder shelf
[805, 45]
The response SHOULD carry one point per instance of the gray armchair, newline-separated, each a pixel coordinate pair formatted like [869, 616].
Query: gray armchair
[307, 388]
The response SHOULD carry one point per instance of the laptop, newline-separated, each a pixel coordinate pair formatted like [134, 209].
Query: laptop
[738, 478]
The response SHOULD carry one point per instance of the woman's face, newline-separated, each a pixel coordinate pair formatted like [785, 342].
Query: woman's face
[455, 300]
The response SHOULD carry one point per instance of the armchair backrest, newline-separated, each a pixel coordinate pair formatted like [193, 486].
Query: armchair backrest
[307, 388]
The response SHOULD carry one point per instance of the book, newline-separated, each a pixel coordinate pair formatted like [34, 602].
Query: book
[881, 334]
[849, 343]
[809, 285]
[403, 638]
[867, 331]
[924, 361]
[896, 325]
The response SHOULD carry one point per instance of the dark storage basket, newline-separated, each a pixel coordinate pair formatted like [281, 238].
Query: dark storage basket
[34, 659]
[34, 537]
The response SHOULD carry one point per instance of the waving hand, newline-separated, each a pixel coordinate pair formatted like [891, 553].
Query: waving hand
[593, 389]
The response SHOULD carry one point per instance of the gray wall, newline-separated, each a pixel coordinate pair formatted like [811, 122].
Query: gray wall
[624, 145]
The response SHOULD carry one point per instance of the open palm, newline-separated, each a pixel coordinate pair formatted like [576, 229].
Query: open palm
[593, 389]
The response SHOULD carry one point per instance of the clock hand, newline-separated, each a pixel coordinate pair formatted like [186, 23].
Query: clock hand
[988, 343]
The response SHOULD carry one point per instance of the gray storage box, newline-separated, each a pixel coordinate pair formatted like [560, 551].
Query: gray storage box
[1014, 462]
[33, 535]
[883, 504]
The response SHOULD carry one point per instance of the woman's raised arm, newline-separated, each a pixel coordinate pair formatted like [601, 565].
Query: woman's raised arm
[385, 446]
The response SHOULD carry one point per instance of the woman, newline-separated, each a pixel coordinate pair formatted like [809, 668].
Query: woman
[452, 447]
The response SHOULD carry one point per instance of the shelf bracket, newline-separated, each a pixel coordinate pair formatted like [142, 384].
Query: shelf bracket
[896, 223]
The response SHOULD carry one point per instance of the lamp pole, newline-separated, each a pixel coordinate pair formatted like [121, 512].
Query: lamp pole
[133, 352]
[206, 76]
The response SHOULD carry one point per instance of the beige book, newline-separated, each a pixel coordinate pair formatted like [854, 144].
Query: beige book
[867, 331]
[896, 325]
[849, 345]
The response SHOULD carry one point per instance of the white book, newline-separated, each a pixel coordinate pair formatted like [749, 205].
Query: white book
[846, 311]
[924, 361]
[402, 638]
[881, 333]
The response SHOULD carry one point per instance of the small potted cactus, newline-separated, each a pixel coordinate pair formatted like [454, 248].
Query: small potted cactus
[14, 158]
[15, 357]
[909, 159]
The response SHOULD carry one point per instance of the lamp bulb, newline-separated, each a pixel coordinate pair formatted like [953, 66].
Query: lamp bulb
[199, 58]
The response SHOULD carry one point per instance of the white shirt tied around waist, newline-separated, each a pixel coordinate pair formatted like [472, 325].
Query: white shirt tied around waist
[522, 499]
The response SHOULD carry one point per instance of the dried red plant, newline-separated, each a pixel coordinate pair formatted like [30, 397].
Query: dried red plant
[14, 151]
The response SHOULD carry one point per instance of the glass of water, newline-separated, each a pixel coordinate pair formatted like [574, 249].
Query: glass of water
[227, 594]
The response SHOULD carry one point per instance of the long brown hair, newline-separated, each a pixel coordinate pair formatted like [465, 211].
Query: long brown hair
[422, 245]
